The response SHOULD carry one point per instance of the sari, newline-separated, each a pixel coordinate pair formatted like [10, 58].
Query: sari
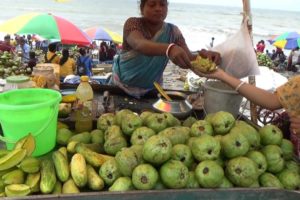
[135, 73]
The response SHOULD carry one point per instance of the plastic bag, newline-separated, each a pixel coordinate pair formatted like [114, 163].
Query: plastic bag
[238, 56]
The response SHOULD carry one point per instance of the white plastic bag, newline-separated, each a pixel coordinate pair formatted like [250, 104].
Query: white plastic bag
[238, 56]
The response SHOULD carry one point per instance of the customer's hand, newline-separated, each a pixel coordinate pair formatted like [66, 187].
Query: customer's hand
[179, 57]
[216, 74]
[211, 55]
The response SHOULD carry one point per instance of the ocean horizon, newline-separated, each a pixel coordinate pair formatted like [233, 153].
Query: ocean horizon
[198, 23]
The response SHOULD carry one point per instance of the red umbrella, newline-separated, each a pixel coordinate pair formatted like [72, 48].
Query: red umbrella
[47, 26]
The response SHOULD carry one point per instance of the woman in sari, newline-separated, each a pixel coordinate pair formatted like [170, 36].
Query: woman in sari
[149, 43]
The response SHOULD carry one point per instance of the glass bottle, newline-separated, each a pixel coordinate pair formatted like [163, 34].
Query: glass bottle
[83, 113]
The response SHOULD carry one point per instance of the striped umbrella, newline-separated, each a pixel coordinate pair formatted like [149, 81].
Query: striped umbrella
[100, 33]
[47, 26]
[287, 40]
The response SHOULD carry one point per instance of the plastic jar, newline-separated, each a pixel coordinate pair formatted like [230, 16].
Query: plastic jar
[46, 71]
[17, 82]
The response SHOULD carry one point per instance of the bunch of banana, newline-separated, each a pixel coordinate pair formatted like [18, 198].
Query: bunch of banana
[203, 64]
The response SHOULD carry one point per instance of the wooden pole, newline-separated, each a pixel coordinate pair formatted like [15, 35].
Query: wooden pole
[251, 79]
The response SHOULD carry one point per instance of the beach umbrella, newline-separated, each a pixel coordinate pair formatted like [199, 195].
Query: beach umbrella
[47, 26]
[287, 40]
[100, 33]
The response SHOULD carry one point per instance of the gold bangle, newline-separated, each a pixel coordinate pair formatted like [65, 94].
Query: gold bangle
[239, 85]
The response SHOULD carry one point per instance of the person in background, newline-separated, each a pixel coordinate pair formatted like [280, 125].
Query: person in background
[32, 60]
[148, 44]
[111, 52]
[23, 50]
[6, 44]
[293, 60]
[286, 96]
[260, 47]
[51, 56]
[103, 52]
[67, 65]
[85, 61]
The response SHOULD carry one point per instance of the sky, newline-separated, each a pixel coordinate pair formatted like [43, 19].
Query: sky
[290, 5]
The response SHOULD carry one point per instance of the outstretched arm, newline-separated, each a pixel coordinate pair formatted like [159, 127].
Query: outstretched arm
[256, 95]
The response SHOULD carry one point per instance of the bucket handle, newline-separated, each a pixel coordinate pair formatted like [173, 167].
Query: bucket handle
[6, 140]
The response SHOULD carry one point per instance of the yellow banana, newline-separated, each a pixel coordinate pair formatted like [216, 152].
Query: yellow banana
[13, 158]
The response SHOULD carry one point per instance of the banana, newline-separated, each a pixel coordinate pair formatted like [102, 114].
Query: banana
[13, 158]
[17, 190]
[27, 142]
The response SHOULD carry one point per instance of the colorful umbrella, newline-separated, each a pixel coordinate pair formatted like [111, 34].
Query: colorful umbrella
[47, 26]
[99, 33]
[287, 40]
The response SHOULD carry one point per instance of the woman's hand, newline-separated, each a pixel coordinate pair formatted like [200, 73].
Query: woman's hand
[179, 57]
[211, 55]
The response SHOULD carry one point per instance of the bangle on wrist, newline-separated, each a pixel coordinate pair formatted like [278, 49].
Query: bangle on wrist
[239, 85]
[169, 48]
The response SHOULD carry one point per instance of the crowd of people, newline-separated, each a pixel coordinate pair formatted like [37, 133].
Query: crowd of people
[285, 62]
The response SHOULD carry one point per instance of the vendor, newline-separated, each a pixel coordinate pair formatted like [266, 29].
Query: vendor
[67, 65]
[149, 44]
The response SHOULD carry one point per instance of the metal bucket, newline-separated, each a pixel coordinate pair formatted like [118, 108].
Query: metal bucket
[218, 96]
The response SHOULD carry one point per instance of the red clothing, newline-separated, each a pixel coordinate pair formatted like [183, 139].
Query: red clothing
[5, 47]
[260, 47]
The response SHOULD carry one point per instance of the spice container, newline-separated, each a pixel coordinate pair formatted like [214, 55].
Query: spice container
[17, 82]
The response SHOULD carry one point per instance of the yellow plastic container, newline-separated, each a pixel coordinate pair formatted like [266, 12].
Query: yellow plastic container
[32, 110]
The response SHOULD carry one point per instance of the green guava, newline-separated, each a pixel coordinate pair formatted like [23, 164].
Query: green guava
[289, 179]
[208, 117]
[188, 122]
[97, 137]
[63, 135]
[174, 174]
[269, 180]
[222, 122]
[274, 157]
[206, 147]
[183, 153]
[192, 181]
[156, 122]
[144, 177]
[106, 120]
[171, 120]
[270, 134]
[112, 132]
[176, 134]
[120, 115]
[109, 172]
[234, 144]
[292, 165]
[141, 135]
[242, 171]
[113, 145]
[287, 148]
[201, 127]
[157, 149]
[144, 115]
[130, 123]
[209, 174]
[121, 184]
[226, 183]
[259, 159]
[249, 132]
[126, 161]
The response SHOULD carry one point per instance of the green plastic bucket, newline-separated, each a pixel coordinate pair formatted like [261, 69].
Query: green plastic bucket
[32, 111]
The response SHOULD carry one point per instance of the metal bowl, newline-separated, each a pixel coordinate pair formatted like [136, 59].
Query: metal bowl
[179, 106]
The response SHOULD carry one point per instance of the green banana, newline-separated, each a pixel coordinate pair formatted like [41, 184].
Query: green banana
[17, 190]
[13, 158]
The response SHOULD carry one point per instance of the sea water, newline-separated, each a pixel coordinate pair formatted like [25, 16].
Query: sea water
[198, 23]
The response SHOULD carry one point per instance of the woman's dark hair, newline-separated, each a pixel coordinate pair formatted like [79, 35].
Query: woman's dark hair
[142, 4]
[31, 54]
[65, 56]
[82, 51]
[52, 47]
